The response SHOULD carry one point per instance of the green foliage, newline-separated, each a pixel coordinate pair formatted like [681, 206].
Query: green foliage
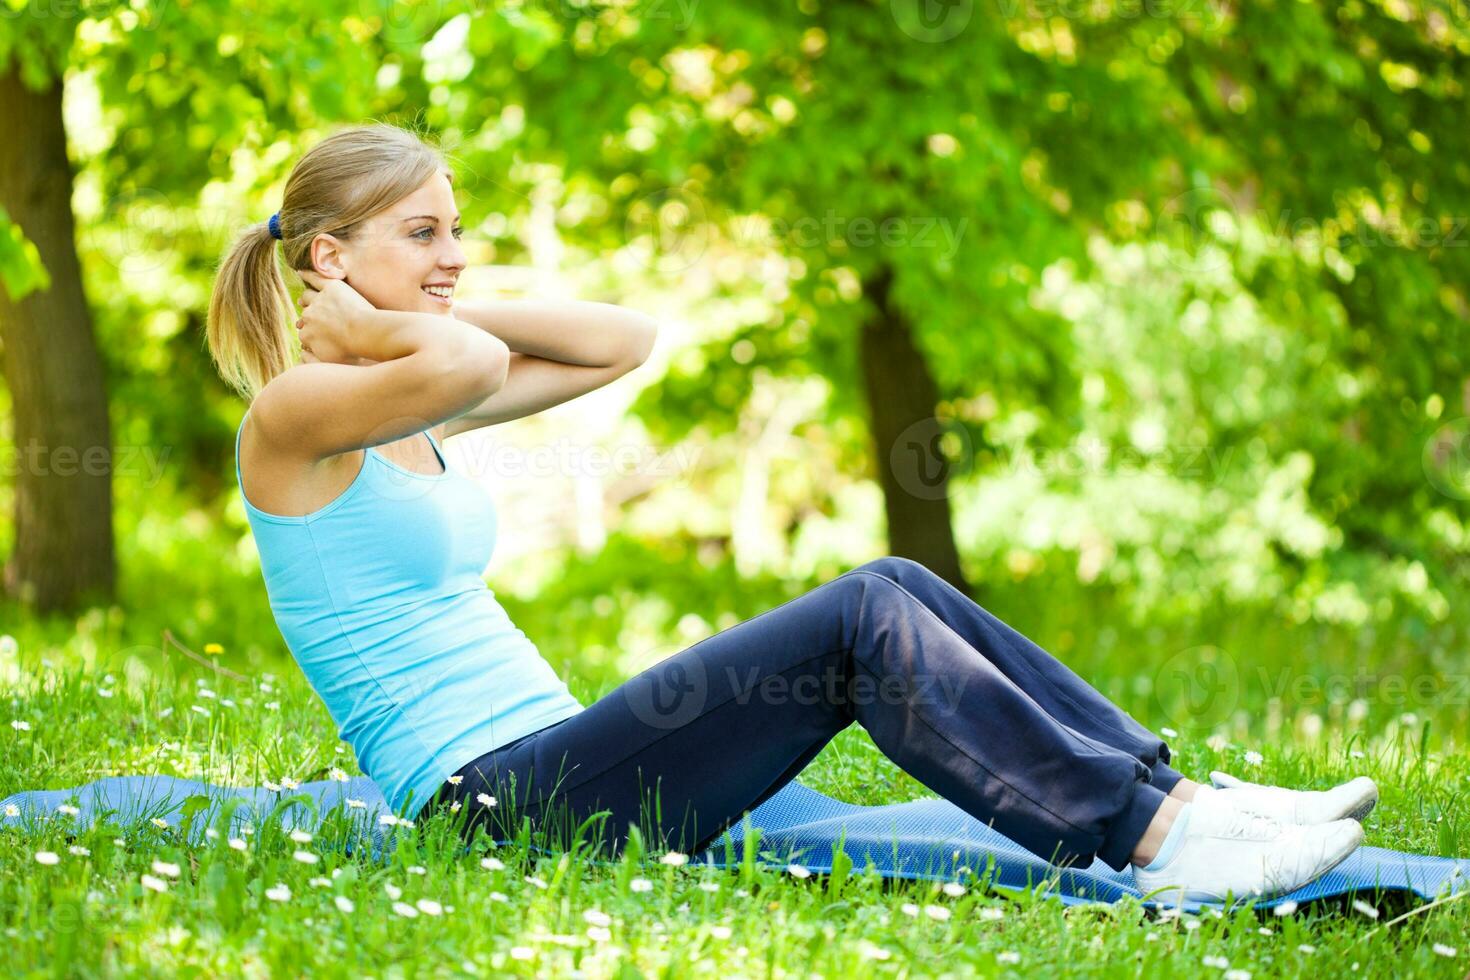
[21, 271]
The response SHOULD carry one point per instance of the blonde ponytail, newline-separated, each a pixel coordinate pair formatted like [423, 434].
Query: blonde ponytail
[345, 179]
[249, 330]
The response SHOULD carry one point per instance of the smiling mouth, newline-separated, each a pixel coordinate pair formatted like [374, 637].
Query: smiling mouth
[441, 294]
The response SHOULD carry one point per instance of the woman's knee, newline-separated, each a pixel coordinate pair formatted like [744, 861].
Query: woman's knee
[894, 567]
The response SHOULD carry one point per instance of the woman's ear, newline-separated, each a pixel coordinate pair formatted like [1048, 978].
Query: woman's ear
[327, 256]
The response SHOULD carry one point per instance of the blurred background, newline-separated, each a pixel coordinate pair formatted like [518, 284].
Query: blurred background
[1142, 323]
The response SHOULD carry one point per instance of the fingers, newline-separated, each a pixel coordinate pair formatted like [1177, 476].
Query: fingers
[310, 277]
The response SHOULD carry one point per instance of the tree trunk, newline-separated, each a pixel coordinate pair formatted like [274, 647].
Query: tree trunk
[63, 558]
[912, 470]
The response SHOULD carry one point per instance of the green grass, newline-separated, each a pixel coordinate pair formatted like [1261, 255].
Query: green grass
[91, 913]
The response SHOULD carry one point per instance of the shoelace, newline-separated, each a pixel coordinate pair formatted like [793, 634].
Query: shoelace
[1250, 825]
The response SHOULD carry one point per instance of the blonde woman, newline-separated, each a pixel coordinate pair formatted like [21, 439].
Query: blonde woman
[373, 550]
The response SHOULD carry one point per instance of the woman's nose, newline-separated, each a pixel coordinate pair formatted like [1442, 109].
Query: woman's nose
[454, 257]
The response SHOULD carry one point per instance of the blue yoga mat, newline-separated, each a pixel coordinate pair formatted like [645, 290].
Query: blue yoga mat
[923, 839]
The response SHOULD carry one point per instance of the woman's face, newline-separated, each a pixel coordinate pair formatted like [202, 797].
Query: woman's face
[402, 257]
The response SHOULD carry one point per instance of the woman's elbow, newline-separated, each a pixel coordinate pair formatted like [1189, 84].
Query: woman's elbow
[643, 336]
[478, 369]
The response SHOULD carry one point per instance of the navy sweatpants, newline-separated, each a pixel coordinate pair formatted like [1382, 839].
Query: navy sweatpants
[968, 706]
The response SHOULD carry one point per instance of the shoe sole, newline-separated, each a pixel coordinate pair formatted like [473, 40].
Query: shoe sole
[1363, 809]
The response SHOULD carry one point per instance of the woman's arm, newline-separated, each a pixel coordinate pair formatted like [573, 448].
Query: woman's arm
[569, 331]
[558, 350]
[421, 369]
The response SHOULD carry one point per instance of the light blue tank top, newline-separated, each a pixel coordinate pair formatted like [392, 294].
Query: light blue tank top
[379, 595]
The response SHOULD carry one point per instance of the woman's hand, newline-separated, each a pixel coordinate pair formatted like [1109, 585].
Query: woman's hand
[329, 308]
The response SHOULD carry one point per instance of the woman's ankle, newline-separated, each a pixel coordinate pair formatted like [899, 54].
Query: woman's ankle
[1158, 828]
[1184, 790]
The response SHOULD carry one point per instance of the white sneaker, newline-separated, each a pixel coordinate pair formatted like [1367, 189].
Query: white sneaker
[1355, 798]
[1228, 852]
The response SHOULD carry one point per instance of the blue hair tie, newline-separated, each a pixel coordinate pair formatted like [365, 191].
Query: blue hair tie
[275, 225]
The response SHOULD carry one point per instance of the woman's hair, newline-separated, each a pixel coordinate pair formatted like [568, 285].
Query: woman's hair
[343, 180]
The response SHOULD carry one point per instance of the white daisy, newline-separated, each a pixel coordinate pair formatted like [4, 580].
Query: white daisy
[48, 857]
[279, 893]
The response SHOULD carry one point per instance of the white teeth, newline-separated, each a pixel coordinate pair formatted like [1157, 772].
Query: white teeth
[444, 291]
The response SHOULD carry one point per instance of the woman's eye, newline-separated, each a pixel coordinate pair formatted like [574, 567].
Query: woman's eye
[457, 232]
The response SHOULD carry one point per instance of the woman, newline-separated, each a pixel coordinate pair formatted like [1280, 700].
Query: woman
[372, 551]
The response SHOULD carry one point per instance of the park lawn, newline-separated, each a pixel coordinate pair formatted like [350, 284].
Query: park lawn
[434, 910]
